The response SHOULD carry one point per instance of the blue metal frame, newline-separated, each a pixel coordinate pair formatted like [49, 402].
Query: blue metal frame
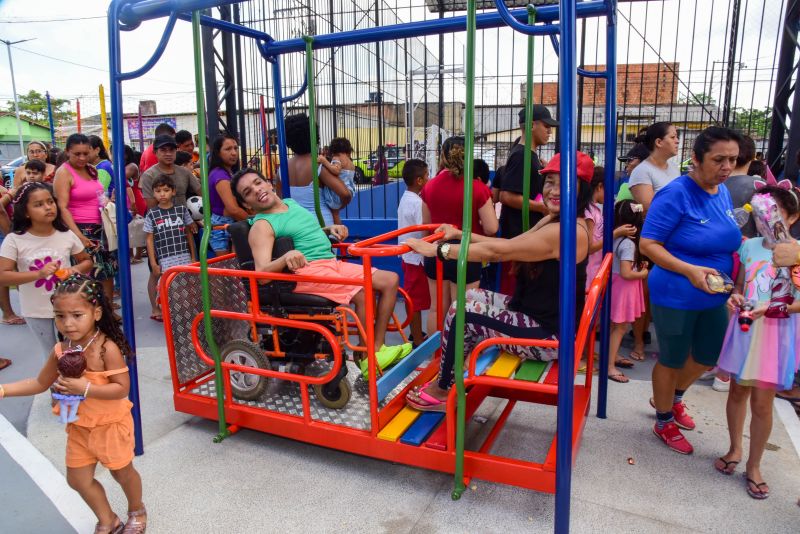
[50, 119]
[567, 133]
[128, 14]
[608, 198]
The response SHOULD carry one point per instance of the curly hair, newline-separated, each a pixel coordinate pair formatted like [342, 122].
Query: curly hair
[92, 291]
[298, 134]
[340, 145]
[453, 155]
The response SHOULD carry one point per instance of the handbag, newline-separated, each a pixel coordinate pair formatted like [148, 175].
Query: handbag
[109, 216]
[136, 235]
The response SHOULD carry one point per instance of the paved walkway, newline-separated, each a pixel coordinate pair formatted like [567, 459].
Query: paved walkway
[257, 482]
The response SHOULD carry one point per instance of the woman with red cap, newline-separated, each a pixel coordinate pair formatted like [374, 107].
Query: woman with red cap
[533, 311]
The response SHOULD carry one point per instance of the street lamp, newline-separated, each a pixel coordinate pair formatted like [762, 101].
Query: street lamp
[14, 88]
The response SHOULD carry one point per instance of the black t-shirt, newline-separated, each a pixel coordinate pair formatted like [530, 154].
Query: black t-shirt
[512, 180]
[537, 293]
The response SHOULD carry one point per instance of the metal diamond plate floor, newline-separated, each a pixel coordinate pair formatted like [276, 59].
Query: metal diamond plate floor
[284, 397]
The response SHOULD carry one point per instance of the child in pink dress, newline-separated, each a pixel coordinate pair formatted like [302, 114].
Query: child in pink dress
[627, 292]
[762, 357]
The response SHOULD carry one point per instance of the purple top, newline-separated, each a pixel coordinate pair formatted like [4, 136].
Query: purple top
[217, 175]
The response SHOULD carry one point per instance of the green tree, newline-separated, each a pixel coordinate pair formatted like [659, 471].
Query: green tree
[697, 99]
[33, 106]
[754, 122]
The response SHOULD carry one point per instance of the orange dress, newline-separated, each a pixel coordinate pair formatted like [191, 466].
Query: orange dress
[104, 429]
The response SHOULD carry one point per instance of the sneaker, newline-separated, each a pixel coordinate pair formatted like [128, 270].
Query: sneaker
[709, 375]
[682, 419]
[385, 357]
[721, 384]
[672, 437]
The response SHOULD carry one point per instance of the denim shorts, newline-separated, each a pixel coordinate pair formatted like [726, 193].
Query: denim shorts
[220, 239]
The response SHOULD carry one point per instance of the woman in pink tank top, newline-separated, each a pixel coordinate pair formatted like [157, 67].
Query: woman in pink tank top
[79, 194]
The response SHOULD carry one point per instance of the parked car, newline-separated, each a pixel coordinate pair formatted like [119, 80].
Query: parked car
[7, 171]
[366, 169]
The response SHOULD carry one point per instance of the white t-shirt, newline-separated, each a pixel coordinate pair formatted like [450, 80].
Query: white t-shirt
[409, 213]
[31, 253]
[649, 174]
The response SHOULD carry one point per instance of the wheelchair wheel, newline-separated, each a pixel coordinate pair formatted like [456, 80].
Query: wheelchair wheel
[338, 399]
[246, 386]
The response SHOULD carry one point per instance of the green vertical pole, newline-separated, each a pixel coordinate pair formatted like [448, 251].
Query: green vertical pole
[466, 225]
[312, 123]
[201, 135]
[526, 181]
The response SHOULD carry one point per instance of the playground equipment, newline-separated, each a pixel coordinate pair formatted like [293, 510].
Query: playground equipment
[387, 429]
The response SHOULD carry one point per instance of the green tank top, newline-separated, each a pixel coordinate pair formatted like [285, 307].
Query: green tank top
[299, 224]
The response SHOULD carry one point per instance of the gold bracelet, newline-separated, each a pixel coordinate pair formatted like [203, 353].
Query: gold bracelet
[2, 391]
[797, 259]
[86, 391]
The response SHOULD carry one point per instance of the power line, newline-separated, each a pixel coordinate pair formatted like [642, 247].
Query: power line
[93, 68]
[34, 21]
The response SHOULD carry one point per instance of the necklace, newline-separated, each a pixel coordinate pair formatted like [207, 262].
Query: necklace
[84, 349]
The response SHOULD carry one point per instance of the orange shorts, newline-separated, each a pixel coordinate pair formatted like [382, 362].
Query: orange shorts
[111, 444]
[333, 268]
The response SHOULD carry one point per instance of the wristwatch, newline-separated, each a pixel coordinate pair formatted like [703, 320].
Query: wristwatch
[443, 250]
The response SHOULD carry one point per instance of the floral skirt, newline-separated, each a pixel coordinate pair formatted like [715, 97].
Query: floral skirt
[105, 262]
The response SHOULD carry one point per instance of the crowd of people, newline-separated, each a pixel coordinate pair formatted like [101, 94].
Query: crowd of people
[674, 234]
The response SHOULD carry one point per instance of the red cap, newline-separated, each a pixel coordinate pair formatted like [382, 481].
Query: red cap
[585, 166]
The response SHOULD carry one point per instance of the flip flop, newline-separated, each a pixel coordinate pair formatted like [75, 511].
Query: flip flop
[619, 378]
[582, 370]
[136, 261]
[425, 402]
[4, 362]
[759, 494]
[158, 318]
[726, 469]
[13, 322]
[638, 356]
[625, 363]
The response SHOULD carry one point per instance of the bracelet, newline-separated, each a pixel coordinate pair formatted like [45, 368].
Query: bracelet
[797, 259]
[86, 391]
[2, 391]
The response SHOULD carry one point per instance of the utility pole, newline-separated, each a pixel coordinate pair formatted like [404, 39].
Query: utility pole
[14, 89]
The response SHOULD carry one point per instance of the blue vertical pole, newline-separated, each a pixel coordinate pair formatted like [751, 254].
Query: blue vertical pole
[280, 126]
[608, 198]
[567, 133]
[118, 145]
[50, 119]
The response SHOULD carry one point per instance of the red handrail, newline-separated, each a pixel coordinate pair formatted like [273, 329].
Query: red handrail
[374, 247]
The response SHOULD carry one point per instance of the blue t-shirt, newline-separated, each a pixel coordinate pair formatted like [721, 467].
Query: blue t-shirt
[698, 228]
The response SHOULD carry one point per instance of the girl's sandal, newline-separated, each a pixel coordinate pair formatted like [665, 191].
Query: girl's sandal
[116, 528]
[134, 525]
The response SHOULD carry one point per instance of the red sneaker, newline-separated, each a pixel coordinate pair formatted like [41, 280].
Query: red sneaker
[682, 419]
[672, 437]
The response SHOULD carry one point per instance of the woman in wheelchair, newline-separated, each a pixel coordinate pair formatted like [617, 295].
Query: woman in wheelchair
[275, 218]
[533, 311]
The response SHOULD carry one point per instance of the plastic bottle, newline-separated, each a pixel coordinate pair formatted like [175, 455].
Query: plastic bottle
[745, 316]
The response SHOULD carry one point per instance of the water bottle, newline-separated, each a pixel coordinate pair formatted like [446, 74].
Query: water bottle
[745, 316]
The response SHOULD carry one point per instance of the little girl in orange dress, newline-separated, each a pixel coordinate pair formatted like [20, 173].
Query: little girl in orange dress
[103, 430]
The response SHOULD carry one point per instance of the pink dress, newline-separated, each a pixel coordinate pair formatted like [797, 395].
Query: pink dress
[594, 213]
[627, 296]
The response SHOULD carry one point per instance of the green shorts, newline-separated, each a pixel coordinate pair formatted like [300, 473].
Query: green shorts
[684, 332]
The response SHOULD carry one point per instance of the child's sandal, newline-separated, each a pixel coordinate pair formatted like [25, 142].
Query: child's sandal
[116, 528]
[134, 525]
